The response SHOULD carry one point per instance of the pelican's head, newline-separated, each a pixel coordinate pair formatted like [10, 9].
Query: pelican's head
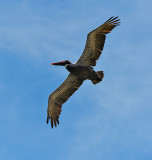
[62, 63]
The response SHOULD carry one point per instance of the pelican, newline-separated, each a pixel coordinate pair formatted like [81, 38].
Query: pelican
[81, 70]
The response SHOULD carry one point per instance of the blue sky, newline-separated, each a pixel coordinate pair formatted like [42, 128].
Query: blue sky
[111, 120]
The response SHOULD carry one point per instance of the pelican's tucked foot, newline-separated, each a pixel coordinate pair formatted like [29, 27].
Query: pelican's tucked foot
[100, 77]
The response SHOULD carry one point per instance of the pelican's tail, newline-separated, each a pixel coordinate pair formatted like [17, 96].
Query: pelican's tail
[100, 75]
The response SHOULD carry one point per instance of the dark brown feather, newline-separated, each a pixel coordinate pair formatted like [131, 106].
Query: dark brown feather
[95, 42]
[59, 96]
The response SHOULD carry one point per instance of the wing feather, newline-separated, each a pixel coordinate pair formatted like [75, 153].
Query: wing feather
[59, 96]
[95, 42]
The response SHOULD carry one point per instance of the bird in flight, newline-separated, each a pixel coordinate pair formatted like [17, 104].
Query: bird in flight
[81, 70]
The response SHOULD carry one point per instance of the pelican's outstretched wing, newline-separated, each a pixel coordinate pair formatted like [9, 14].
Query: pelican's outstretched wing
[95, 42]
[59, 96]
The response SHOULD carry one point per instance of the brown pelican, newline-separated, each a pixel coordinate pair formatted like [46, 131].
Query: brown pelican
[81, 70]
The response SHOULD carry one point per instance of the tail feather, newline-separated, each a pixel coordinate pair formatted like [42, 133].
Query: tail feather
[100, 75]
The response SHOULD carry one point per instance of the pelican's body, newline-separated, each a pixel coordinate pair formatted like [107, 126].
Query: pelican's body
[81, 70]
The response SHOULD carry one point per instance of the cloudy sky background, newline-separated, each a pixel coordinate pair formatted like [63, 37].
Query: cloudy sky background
[111, 120]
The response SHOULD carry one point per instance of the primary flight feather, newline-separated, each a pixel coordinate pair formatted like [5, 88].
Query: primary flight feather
[81, 70]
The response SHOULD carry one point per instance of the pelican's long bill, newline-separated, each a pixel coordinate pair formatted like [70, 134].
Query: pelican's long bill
[62, 63]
